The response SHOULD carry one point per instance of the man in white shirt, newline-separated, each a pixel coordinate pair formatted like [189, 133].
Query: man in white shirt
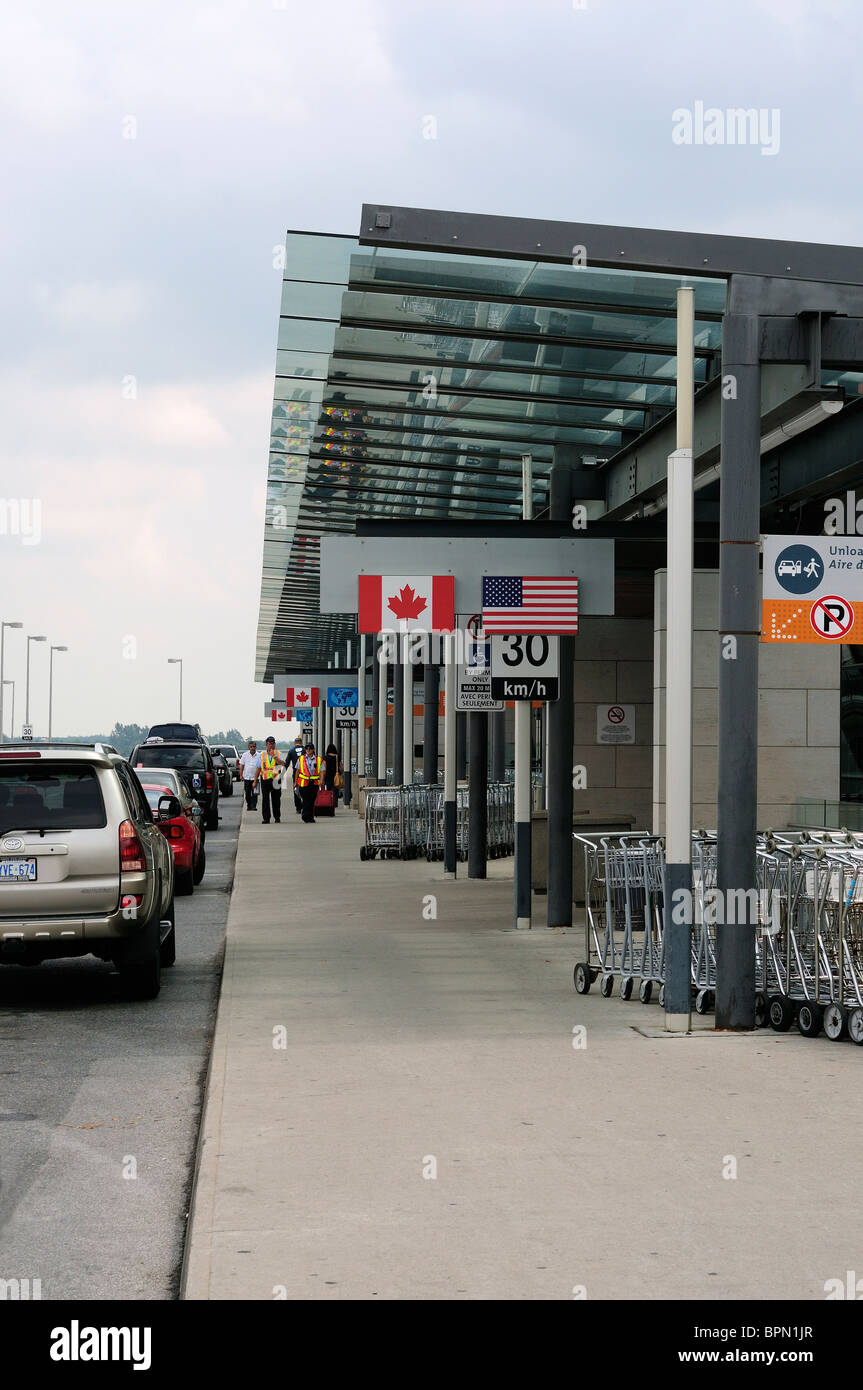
[250, 764]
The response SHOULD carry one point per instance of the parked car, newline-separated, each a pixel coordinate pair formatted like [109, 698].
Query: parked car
[84, 869]
[231, 756]
[194, 762]
[177, 733]
[170, 778]
[223, 773]
[179, 829]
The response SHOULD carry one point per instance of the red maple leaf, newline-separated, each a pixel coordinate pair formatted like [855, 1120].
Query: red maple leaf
[406, 604]
[302, 698]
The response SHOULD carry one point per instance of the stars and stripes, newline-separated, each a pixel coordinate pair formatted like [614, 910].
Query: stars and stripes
[529, 603]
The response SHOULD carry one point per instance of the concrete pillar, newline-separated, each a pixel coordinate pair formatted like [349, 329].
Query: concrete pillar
[560, 715]
[399, 674]
[739, 634]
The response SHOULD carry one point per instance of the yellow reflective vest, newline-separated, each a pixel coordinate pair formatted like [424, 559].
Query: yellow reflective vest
[308, 770]
[268, 764]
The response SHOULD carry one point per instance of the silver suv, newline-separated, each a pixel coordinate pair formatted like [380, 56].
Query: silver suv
[84, 867]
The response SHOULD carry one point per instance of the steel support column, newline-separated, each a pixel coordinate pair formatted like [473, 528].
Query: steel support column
[739, 635]
[461, 746]
[431, 695]
[560, 726]
[477, 835]
[498, 745]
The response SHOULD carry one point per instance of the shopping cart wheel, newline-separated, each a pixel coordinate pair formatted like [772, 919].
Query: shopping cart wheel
[626, 983]
[833, 1022]
[645, 991]
[809, 1020]
[581, 978]
[662, 996]
[606, 985]
[855, 1026]
[704, 1001]
[363, 853]
[761, 1011]
[781, 1013]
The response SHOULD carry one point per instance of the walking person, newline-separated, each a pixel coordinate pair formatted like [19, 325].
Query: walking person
[334, 778]
[294, 755]
[249, 764]
[271, 781]
[309, 771]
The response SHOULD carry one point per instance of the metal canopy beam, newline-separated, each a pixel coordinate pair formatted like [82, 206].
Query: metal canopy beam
[639, 472]
[633, 248]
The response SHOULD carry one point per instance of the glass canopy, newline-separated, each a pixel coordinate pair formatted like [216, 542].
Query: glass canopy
[410, 384]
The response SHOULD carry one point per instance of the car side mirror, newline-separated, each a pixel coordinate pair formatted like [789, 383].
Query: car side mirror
[169, 807]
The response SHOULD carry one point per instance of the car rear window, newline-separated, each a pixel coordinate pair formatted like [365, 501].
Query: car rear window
[153, 794]
[52, 796]
[169, 755]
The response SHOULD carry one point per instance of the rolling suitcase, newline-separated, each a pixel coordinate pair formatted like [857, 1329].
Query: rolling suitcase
[325, 803]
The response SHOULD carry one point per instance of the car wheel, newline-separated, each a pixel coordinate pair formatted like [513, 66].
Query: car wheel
[212, 818]
[184, 882]
[200, 864]
[229, 790]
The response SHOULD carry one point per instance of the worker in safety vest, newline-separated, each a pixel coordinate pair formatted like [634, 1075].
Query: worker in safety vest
[308, 778]
[271, 781]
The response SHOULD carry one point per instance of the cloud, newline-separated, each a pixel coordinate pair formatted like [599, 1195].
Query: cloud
[92, 305]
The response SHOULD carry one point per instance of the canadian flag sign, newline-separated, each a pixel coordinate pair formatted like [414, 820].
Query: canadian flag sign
[402, 603]
[307, 698]
[279, 714]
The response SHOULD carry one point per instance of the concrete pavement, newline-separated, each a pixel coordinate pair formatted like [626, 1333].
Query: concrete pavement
[434, 1128]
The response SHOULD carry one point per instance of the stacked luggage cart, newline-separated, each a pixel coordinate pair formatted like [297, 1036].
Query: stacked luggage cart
[405, 822]
[807, 916]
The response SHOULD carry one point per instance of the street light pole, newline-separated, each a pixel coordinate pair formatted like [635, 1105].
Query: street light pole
[27, 686]
[12, 724]
[51, 684]
[3, 627]
[178, 661]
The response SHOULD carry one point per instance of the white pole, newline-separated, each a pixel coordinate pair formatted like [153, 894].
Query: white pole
[382, 713]
[449, 768]
[522, 869]
[678, 680]
[408, 713]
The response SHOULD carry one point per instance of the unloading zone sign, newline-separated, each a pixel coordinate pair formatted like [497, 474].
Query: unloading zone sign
[813, 589]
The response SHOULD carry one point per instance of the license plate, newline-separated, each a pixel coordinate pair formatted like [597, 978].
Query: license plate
[22, 870]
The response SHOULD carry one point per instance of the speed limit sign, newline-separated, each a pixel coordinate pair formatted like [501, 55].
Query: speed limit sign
[524, 667]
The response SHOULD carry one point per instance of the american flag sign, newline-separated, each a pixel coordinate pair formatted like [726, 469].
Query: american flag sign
[530, 603]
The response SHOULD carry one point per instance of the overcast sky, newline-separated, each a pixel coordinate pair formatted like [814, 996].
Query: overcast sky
[140, 303]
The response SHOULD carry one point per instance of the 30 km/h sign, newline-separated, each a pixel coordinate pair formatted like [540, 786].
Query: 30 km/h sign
[524, 667]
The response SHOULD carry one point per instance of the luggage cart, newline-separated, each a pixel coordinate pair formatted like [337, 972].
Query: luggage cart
[623, 880]
[435, 826]
[384, 823]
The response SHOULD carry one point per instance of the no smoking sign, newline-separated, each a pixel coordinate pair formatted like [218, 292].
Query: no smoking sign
[615, 723]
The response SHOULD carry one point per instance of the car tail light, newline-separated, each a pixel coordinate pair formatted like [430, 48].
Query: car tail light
[131, 899]
[132, 859]
[174, 832]
[209, 781]
[20, 756]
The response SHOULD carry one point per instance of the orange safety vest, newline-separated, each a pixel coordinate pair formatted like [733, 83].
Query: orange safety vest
[268, 765]
[305, 775]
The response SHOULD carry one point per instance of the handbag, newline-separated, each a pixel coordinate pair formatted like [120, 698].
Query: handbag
[339, 779]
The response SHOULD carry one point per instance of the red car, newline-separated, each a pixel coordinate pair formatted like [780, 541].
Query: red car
[183, 835]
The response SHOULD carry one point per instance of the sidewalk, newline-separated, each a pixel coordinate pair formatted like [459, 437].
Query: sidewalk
[430, 1132]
